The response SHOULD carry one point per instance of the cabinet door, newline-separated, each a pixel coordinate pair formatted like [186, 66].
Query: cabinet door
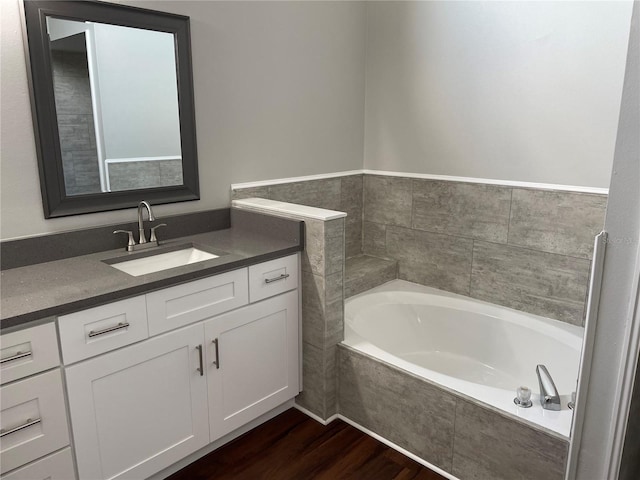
[139, 409]
[252, 361]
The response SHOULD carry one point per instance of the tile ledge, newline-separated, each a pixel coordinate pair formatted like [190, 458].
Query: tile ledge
[306, 178]
[490, 181]
[264, 205]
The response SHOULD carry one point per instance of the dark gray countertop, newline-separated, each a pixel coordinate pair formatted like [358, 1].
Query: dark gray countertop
[56, 288]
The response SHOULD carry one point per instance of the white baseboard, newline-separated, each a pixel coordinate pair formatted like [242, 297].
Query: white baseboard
[314, 416]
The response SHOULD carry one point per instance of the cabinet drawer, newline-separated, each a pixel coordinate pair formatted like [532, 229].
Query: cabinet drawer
[184, 304]
[58, 466]
[101, 329]
[33, 419]
[273, 278]
[29, 351]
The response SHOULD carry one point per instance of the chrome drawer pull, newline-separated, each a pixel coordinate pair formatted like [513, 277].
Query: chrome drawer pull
[17, 356]
[95, 333]
[28, 424]
[275, 279]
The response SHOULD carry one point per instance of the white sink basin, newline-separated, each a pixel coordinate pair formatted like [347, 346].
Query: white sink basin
[163, 261]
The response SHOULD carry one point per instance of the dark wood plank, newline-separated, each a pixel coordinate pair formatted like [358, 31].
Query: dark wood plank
[293, 446]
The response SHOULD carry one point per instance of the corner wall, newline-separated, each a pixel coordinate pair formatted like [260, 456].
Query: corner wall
[500, 90]
[604, 421]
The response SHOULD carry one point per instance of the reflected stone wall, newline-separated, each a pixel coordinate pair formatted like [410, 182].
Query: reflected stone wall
[145, 174]
[75, 122]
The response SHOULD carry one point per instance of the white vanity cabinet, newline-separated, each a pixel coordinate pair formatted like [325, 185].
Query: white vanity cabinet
[252, 361]
[139, 409]
[212, 363]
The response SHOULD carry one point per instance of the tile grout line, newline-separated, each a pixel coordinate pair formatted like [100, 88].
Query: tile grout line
[509, 221]
[455, 429]
[473, 249]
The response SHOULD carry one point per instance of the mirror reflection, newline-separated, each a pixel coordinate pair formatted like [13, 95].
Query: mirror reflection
[116, 99]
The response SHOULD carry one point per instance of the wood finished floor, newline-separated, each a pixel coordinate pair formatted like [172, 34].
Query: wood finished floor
[293, 446]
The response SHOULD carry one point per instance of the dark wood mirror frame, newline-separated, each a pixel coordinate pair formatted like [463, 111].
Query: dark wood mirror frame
[55, 201]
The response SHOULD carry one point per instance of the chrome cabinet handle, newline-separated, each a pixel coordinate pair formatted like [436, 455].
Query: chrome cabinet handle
[275, 279]
[27, 424]
[95, 333]
[217, 362]
[201, 368]
[17, 356]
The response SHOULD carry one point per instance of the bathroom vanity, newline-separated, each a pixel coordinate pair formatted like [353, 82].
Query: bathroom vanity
[147, 370]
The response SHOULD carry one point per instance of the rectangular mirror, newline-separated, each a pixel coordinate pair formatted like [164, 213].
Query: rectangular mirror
[113, 105]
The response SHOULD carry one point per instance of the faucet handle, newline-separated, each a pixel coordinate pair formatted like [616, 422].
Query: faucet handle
[153, 232]
[131, 242]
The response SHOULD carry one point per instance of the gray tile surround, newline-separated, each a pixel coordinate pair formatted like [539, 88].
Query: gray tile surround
[351, 197]
[556, 222]
[443, 220]
[365, 272]
[529, 226]
[374, 239]
[402, 408]
[471, 441]
[537, 282]
[489, 445]
[313, 308]
[312, 396]
[344, 194]
[319, 394]
[313, 258]
[440, 261]
[464, 209]
[388, 200]
[322, 283]
[323, 193]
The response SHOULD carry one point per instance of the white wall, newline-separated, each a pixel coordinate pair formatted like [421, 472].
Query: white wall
[138, 91]
[509, 90]
[279, 90]
[619, 287]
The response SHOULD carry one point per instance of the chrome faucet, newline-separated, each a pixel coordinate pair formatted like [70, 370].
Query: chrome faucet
[144, 203]
[549, 397]
[142, 241]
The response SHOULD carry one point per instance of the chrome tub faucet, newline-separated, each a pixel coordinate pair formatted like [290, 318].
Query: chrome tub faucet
[549, 397]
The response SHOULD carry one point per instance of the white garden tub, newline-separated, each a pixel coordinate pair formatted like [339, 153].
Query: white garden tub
[478, 349]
